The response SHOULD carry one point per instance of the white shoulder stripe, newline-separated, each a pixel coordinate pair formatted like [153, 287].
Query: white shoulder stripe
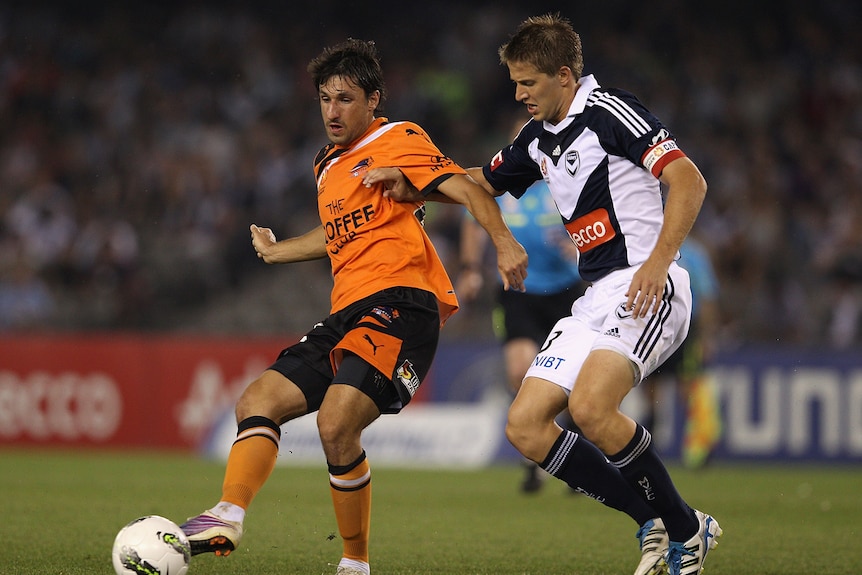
[374, 135]
[620, 110]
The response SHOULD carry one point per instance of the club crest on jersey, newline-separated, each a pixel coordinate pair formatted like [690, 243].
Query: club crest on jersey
[407, 375]
[361, 167]
[573, 162]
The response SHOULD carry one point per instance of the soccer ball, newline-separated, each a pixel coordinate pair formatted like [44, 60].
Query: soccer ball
[151, 545]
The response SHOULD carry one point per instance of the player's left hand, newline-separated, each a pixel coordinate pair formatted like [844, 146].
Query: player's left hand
[647, 288]
[395, 185]
[512, 260]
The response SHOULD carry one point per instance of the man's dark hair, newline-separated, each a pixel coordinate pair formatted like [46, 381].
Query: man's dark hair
[353, 59]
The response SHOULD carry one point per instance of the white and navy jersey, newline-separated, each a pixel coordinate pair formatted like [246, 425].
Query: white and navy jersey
[601, 164]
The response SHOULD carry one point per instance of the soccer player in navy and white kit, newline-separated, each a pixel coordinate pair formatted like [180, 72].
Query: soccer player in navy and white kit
[604, 157]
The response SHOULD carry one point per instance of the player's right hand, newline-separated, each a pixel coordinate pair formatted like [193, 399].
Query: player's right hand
[262, 239]
[395, 185]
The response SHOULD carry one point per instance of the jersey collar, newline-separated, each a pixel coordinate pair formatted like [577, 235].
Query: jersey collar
[579, 103]
[587, 85]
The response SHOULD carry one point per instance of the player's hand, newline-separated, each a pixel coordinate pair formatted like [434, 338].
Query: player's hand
[395, 185]
[262, 239]
[512, 264]
[647, 288]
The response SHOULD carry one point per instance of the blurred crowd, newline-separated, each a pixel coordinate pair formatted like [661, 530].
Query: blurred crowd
[137, 144]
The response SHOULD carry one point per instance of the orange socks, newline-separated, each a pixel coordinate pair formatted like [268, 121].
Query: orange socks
[350, 486]
[251, 460]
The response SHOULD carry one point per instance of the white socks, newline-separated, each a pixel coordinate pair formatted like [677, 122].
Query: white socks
[229, 512]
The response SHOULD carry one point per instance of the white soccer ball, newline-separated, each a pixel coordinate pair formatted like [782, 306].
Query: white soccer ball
[151, 545]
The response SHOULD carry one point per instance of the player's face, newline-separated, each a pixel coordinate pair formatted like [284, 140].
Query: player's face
[546, 97]
[346, 110]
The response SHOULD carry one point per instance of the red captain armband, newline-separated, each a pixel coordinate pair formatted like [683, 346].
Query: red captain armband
[658, 156]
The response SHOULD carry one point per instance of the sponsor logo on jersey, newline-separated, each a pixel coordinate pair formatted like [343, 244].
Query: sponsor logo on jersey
[655, 153]
[440, 162]
[343, 227]
[591, 230]
[497, 160]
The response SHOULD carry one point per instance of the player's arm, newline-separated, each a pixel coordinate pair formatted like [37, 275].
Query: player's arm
[511, 256]
[400, 189]
[686, 189]
[309, 246]
[462, 189]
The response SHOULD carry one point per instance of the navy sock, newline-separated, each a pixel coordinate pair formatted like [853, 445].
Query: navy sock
[639, 463]
[583, 467]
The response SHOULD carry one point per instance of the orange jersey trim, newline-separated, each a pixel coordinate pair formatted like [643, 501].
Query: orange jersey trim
[374, 242]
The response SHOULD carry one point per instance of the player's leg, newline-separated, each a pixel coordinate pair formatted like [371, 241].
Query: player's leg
[292, 386]
[629, 447]
[268, 401]
[568, 456]
[347, 409]
[383, 357]
[623, 349]
[532, 429]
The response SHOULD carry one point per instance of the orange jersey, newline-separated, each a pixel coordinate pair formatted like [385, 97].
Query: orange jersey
[374, 242]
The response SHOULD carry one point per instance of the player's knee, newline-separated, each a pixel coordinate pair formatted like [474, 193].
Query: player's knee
[332, 431]
[519, 430]
[249, 403]
[587, 416]
[261, 398]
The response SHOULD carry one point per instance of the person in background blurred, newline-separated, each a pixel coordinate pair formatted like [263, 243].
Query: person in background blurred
[390, 297]
[522, 320]
[684, 370]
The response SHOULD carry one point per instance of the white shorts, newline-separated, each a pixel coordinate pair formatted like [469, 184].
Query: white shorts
[599, 321]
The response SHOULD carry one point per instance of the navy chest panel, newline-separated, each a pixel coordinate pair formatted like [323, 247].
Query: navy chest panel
[555, 145]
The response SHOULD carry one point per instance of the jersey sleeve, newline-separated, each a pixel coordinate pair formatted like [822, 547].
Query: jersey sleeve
[419, 159]
[634, 132]
[512, 169]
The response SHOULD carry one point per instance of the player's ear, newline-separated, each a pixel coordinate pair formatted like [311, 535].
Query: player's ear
[374, 100]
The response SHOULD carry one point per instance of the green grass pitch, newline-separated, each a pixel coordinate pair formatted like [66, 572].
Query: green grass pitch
[61, 510]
